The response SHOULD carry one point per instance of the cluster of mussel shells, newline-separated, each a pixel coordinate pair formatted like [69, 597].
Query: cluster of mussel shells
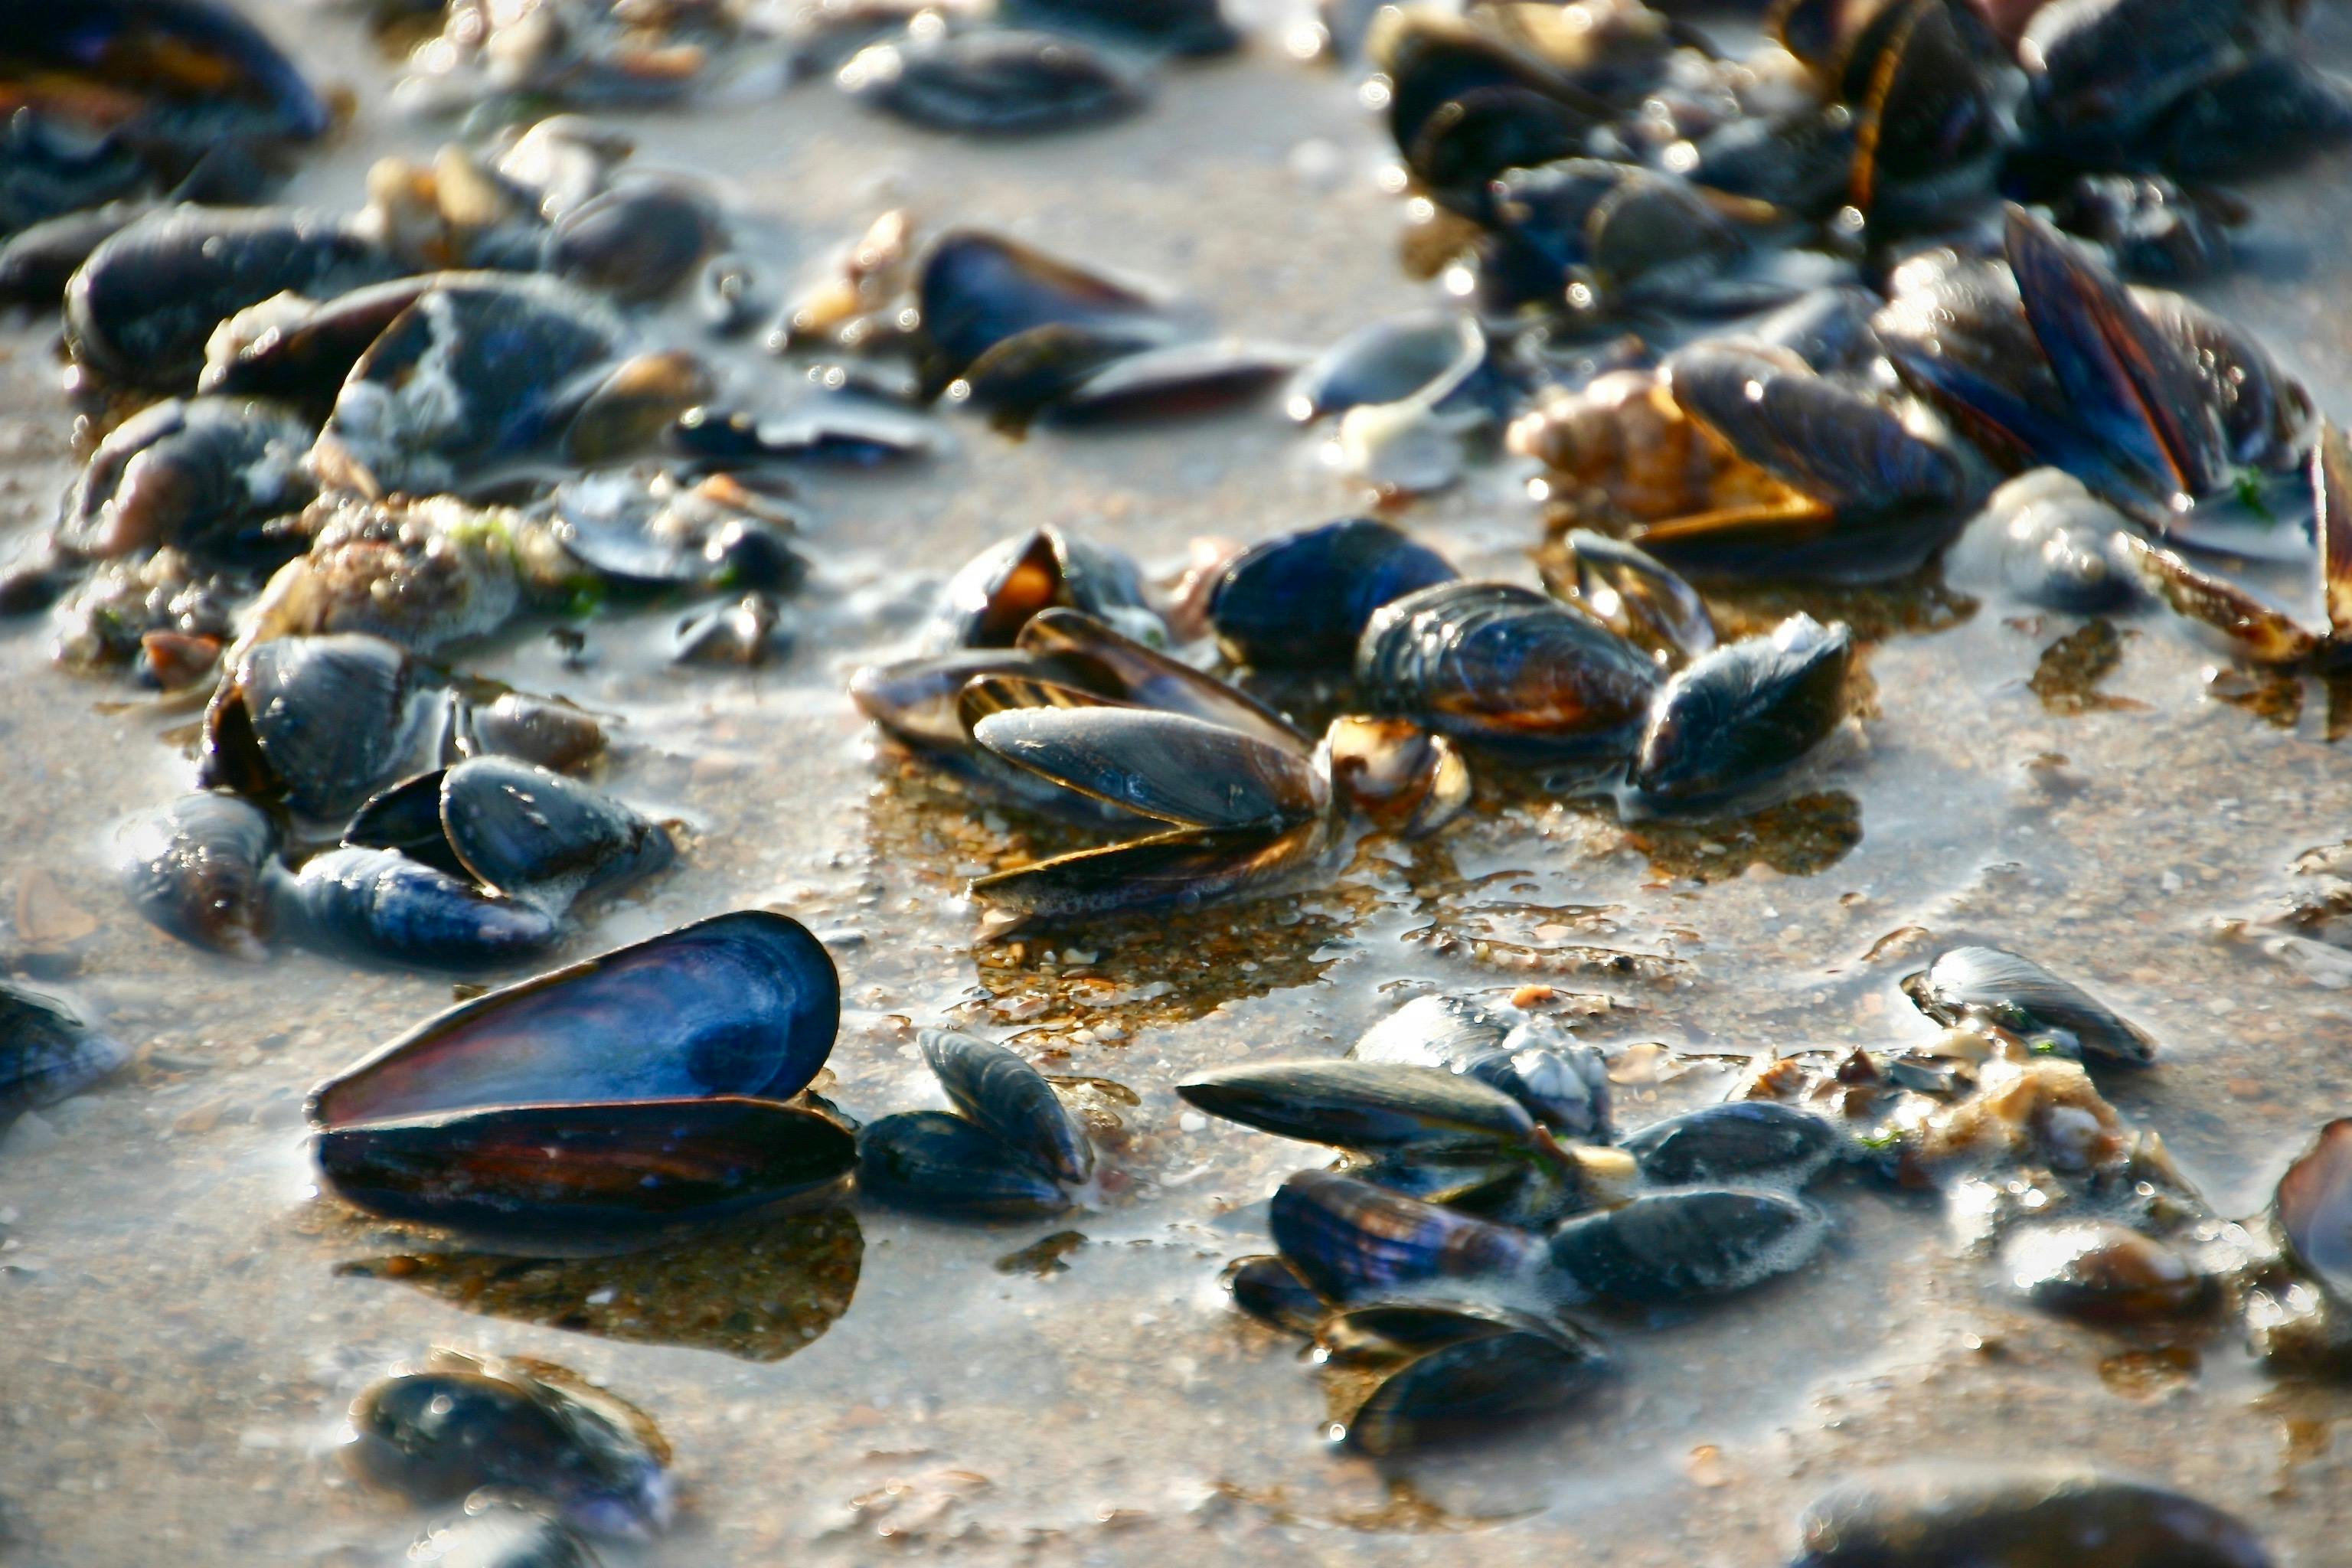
[1040, 686]
[998, 67]
[1486, 1213]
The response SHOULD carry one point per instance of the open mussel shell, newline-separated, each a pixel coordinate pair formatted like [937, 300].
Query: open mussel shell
[321, 720]
[1745, 1139]
[1366, 1106]
[1671, 1247]
[1744, 713]
[2103, 1273]
[2026, 1516]
[1303, 598]
[996, 1090]
[378, 904]
[462, 1424]
[301, 349]
[740, 1003]
[1406, 779]
[938, 1163]
[1352, 1240]
[1174, 380]
[202, 867]
[1389, 361]
[1505, 668]
[1149, 678]
[516, 829]
[518, 1173]
[1183, 868]
[1993, 986]
[1638, 596]
[47, 1052]
[2298, 1301]
[996, 593]
[1471, 1387]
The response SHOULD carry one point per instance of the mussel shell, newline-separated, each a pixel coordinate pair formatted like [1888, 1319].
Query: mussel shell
[939, 1163]
[1367, 1106]
[2101, 71]
[979, 290]
[2273, 109]
[1506, 667]
[1352, 1240]
[1468, 1389]
[37, 261]
[521, 1172]
[2026, 1517]
[1638, 596]
[304, 356]
[1997, 986]
[1745, 712]
[379, 904]
[1270, 1290]
[996, 1090]
[440, 1435]
[996, 81]
[140, 308]
[1174, 380]
[1432, 1031]
[532, 834]
[1030, 372]
[46, 1053]
[740, 1003]
[2312, 1210]
[1149, 678]
[473, 371]
[1189, 28]
[497, 1534]
[198, 474]
[1739, 1140]
[1389, 361]
[1404, 779]
[995, 593]
[324, 720]
[1183, 868]
[2102, 1272]
[1671, 1246]
[201, 867]
[548, 732]
[637, 241]
[1169, 766]
[1303, 598]
[200, 72]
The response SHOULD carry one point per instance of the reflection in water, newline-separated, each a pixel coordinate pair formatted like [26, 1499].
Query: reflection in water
[1043, 1258]
[1800, 838]
[758, 1291]
[2278, 696]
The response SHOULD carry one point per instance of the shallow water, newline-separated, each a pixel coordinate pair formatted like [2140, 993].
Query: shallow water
[187, 1322]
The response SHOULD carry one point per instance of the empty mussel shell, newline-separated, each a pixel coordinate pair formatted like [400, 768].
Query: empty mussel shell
[1352, 1240]
[1366, 1106]
[202, 867]
[532, 1429]
[1993, 985]
[996, 1090]
[939, 1163]
[521, 1172]
[1671, 1246]
[740, 1003]
[1744, 1140]
[2055, 1516]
